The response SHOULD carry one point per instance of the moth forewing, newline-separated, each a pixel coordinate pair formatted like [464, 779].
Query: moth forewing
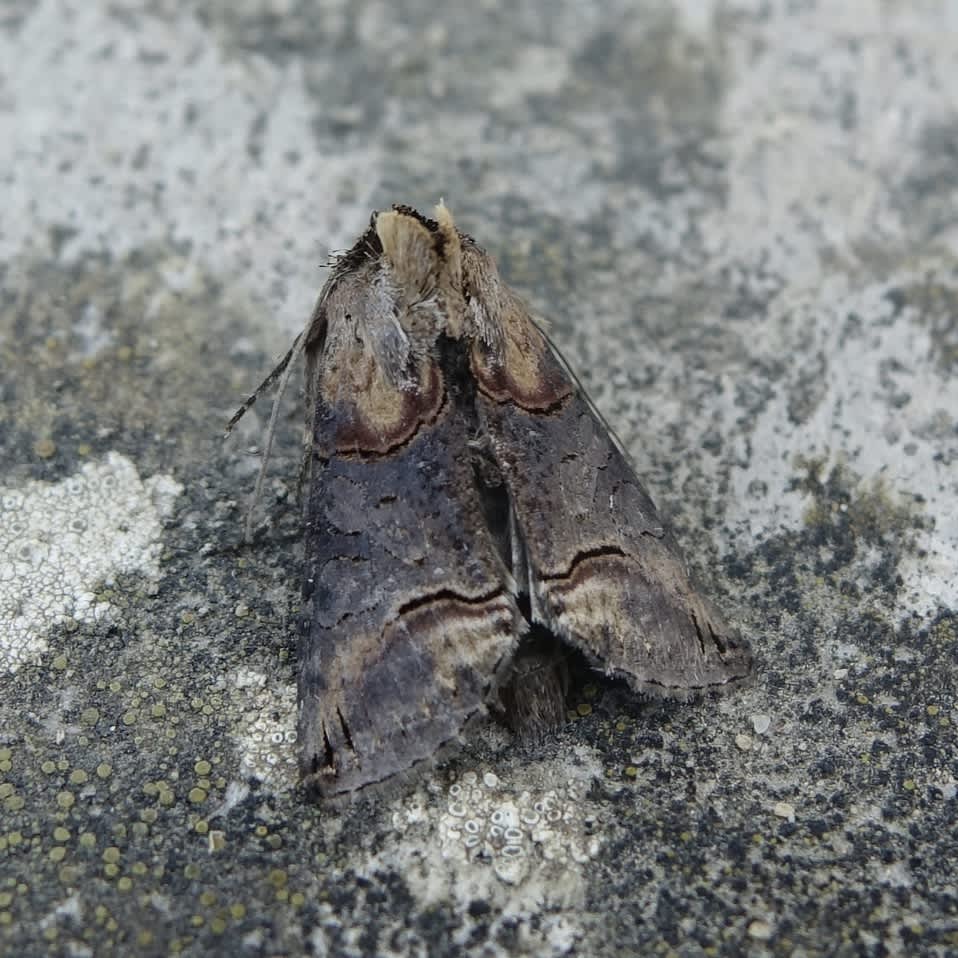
[605, 572]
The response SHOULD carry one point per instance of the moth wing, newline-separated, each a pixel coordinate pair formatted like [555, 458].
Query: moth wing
[600, 567]
[412, 625]
[412, 621]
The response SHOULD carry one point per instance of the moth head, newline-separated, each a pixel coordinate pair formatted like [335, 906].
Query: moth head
[395, 292]
[422, 260]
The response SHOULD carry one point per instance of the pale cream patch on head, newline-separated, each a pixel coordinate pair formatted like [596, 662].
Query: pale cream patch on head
[410, 249]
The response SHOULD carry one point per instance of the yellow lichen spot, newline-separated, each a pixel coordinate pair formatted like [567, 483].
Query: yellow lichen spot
[14, 803]
[202, 767]
[158, 710]
[111, 854]
[218, 925]
[167, 797]
[238, 911]
[59, 663]
[196, 795]
[861, 698]
[197, 921]
[6, 790]
[144, 938]
[111, 870]
[87, 840]
[261, 830]
[932, 710]
[6, 899]
[277, 878]
[583, 709]
[187, 617]
[65, 799]
[44, 448]
[191, 871]
[61, 834]
[90, 716]
[207, 899]
[297, 899]
[125, 883]
[202, 826]
[78, 777]
[48, 767]
[909, 784]
[57, 853]
[631, 771]
[104, 770]
[129, 718]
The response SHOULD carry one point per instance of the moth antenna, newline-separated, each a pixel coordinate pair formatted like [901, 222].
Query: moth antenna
[285, 368]
[263, 386]
[304, 471]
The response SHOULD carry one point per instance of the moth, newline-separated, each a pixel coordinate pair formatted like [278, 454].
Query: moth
[466, 506]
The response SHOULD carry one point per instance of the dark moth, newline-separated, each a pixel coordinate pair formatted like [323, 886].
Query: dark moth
[463, 497]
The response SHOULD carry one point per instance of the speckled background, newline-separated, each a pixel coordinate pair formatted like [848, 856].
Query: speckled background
[741, 219]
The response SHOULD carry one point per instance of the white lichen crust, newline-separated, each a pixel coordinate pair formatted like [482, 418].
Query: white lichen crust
[62, 542]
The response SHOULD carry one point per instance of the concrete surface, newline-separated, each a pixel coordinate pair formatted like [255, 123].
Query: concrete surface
[741, 219]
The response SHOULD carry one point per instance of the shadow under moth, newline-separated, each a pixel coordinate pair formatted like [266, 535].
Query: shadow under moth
[466, 507]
